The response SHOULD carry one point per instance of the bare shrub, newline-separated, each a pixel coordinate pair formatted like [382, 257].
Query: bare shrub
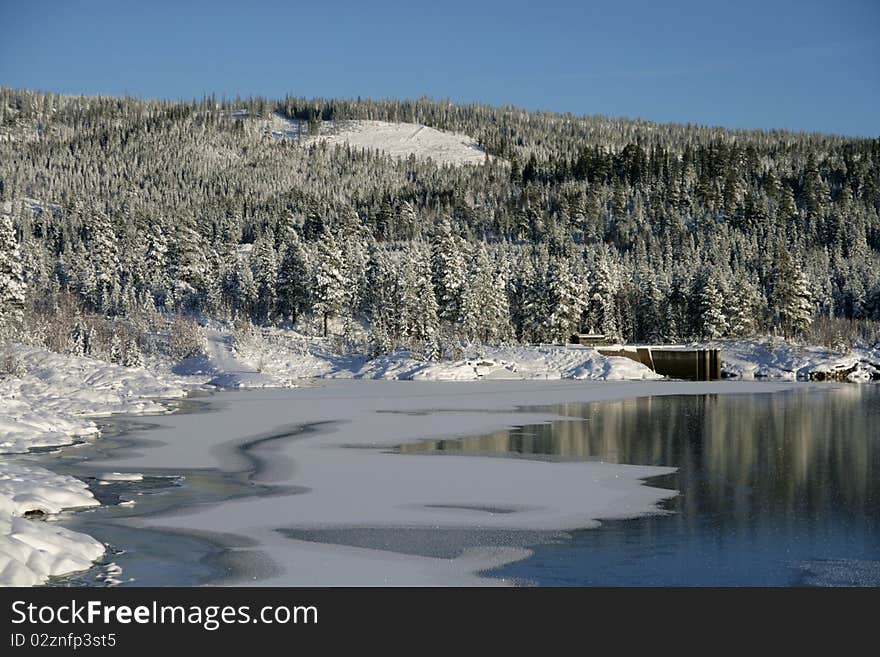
[187, 339]
[12, 365]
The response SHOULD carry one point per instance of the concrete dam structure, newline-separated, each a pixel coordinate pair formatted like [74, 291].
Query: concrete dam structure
[676, 362]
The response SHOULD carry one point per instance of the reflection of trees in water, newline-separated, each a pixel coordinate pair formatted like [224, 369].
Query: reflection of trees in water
[749, 454]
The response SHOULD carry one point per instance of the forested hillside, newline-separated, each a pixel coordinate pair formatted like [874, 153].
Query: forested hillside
[641, 231]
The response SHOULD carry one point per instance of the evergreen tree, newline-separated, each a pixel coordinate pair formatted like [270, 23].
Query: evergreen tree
[293, 280]
[743, 308]
[12, 283]
[330, 286]
[711, 318]
[264, 265]
[565, 300]
[603, 303]
[792, 298]
[449, 272]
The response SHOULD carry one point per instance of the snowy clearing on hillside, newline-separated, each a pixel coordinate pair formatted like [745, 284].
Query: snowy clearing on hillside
[405, 139]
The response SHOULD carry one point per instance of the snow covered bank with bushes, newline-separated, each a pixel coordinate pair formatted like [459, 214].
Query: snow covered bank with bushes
[543, 362]
[287, 356]
[274, 357]
[51, 401]
[47, 400]
[775, 359]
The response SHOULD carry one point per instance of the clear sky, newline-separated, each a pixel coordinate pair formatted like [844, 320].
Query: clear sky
[795, 64]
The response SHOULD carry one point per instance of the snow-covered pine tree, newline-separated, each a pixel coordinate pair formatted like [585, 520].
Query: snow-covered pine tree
[497, 305]
[474, 322]
[133, 356]
[104, 255]
[566, 300]
[710, 307]
[536, 297]
[650, 302]
[264, 266]
[189, 263]
[449, 271]
[330, 285]
[12, 283]
[423, 325]
[602, 308]
[389, 301]
[791, 296]
[356, 243]
[293, 279]
[78, 338]
[743, 308]
[156, 261]
[116, 349]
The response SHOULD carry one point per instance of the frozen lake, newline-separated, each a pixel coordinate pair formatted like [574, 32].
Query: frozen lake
[779, 489]
[427, 483]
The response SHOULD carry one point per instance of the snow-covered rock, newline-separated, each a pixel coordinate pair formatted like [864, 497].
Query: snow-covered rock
[50, 405]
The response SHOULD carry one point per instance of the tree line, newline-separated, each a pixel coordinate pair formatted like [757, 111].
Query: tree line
[640, 231]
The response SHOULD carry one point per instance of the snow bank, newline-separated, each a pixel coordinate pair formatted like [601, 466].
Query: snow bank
[280, 358]
[49, 406]
[527, 362]
[775, 359]
[29, 488]
[31, 551]
[405, 139]
[226, 368]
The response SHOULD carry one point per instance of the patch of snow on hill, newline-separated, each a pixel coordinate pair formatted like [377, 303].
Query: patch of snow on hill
[405, 139]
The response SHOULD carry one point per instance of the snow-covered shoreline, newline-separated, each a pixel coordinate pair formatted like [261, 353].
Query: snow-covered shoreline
[778, 360]
[55, 400]
[53, 404]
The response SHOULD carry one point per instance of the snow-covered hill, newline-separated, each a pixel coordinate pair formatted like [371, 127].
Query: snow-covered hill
[405, 139]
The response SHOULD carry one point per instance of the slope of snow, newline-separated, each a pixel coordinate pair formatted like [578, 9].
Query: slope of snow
[226, 368]
[405, 139]
[31, 551]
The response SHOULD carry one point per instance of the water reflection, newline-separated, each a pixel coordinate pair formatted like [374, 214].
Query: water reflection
[767, 481]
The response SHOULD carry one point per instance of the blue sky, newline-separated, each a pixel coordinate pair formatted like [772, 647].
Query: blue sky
[794, 64]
